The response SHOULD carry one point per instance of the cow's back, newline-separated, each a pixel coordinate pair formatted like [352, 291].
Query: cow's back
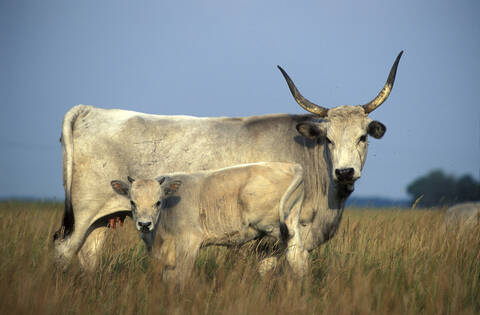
[164, 144]
[467, 213]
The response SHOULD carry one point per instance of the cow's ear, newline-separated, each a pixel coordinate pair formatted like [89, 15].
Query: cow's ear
[120, 187]
[376, 129]
[310, 130]
[171, 186]
[160, 179]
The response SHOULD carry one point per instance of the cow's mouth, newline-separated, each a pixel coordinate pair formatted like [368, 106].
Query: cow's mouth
[345, 182]
[345, 175]
[344, 189]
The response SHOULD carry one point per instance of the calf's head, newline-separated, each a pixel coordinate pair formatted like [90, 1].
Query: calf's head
[147, 198]
[344, 130]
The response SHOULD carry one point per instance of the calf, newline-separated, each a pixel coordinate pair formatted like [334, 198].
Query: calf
[230, 206]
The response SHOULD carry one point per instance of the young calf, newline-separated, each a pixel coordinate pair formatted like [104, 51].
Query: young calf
[230, 206]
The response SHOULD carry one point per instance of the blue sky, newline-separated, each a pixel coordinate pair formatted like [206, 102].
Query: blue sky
[218, 58]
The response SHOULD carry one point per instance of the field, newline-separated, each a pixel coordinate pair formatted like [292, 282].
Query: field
[384, 262]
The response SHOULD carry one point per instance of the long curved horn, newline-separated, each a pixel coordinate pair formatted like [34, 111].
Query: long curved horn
[302, 101]
[387, 88]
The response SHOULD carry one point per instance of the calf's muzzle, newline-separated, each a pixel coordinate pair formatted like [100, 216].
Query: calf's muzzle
[144, 226]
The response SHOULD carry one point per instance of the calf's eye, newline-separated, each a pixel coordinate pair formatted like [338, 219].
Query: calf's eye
[133, 204]
[363, 138]
[158, 204]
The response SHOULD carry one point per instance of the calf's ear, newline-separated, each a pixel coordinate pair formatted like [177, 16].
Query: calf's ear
[160, 179]
[171, 186]
[120, 187]
[376, 129]
[310, 130]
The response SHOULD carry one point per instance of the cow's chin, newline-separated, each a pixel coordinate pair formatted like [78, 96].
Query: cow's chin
[344, 188]
[345, 182]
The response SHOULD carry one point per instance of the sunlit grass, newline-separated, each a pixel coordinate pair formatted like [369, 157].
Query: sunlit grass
[385, 262]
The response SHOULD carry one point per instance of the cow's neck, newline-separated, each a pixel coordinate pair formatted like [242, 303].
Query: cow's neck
[337, 195]
[342, 191]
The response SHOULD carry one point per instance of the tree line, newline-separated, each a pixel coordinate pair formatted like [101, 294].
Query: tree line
[439, 189]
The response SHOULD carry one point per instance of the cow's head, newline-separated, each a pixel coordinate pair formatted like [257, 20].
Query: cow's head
[147, 198]
[344, 129]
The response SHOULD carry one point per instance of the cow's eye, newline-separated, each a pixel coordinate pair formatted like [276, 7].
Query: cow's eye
[133, 204]
[158, 204]
[328, 140]
[363, 138]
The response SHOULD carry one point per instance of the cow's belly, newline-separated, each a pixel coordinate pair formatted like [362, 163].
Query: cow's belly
[231, 238]
[231, 228]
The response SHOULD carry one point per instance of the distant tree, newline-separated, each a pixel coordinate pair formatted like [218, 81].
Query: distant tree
[440, 189]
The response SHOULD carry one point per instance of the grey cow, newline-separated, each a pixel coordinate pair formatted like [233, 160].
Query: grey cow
[230, 206]
[467, 213]
[100, 145]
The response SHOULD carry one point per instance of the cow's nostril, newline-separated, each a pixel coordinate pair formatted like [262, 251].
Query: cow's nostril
[349, 172]
[344, 174]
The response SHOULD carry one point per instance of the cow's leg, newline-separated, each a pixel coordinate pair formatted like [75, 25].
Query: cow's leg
[85, 216]
[186, 251]
[315, 233]
[297, 255]
[267, 265]
[89, 254]
[91, 250]
[307, 237]
[66, 248]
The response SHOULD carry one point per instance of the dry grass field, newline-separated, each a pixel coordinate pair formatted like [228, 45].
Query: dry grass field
[383, 262]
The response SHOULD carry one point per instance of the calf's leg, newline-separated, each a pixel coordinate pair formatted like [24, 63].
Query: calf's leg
[186, 251]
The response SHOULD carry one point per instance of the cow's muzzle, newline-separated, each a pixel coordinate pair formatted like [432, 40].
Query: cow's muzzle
[345, 175]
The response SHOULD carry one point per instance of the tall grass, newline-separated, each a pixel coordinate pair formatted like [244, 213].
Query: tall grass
[393, 262]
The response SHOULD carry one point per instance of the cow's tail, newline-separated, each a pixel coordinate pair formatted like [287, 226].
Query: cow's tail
[297, 180]
[67, 152]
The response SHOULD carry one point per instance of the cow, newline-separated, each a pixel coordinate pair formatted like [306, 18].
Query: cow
[102, 144]
[229, 206]
[467, 214]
